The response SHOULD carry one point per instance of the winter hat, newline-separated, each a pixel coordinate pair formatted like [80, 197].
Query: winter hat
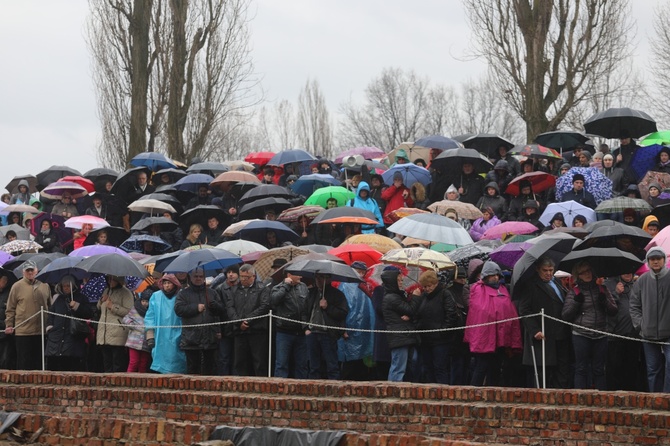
[656, 185]
[531, 204]
[359, 265]
[451, 213]
[490, 268]
[608, 157]
[656, 251]
[577, 177]
[450, 189]
[401, 154]
[292, 178]
[278, 263]
[629, 212]
[566, 166]
[587, 154]
[172, 279]
[397, 176]
[501, 165]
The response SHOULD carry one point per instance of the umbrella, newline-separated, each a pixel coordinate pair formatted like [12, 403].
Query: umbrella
[174, 174]
[81, 220]
[113, 264]
[307, 184]
[293, 214]
[135, 243]
[644, 159]
[100, 176]
[115, 236]
[455, 158]
[508, 254]
[209, 168]
[5, 257]
[258, 207]
[53, 174]
[595, 182]
[321, 196]
[239, 165]
[165, 198]
[611, 236]
[94, 250]
[264, 191]
[288, 253]
[344, 214]
[487, 143]
[65, 235]
[375, 241]
[20, 246]
[83, 182]
[422, 257]
[153, 160]
[210, 260]
[414, 151]
[41, 260]
[228, 178]
[605, 262]
[405, 212]
[618, 204]
[432, 227]
[20, 208]
[151, 206]
[578, 232]
[236, 227]
[554, 248]
[256, 231]
[464, 210]
[569, 209]
[438, 142]
[13, 186]
[651, 177]
[56, 190]
[410, 275]
[661, 239]
[337, 271]
[260, 158]
[367, 153]
[21, 232]
[411, 173]
[319, 249]
[200, 214]
[509, 227]
[478, 250]
[290, 156]
[620, 122]
[166, 224]
[535, 151]
[561, 139]
[191, 183]
[540, 181]
[54, 271]
[241, 247]
[657, 138]
[353, 253]
[125, 183]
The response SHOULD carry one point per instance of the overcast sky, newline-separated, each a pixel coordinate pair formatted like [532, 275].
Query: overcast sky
[47, 102]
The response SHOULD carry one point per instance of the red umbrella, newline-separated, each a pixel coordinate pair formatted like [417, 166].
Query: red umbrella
[83, 182]
[260, 158]
[540, 181]
[357, 252]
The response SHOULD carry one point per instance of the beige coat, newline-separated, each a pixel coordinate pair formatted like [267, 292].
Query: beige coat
[25, 300]
[122, 300]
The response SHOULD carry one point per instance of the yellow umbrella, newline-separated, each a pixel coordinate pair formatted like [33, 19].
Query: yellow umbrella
[374, 241]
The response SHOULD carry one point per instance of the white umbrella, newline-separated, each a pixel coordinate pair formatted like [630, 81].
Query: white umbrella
[569, 209]
[241, 247]
[151, 206]
[432, 227]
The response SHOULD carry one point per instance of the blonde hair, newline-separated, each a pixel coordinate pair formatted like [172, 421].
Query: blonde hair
[428, 278]
[194, 227]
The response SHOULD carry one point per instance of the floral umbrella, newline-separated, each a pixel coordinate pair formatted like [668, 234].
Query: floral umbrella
[535, 151]
[374, 241]
[293, 214]
[595, 182]
[422, 257]
[651, 177]
[464, 210]
[20, 246]
[404, 212]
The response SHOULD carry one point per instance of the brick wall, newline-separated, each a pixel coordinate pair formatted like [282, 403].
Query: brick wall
[141, 409]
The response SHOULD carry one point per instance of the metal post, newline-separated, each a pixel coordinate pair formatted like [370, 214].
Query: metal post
[42, 325]
[270, 365]
[544, 361]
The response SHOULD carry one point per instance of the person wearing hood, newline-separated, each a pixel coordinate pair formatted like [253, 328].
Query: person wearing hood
[491, 345]
[396, 196]
[401, 157]
[492, 199]
[588, 304]
[579, 193]
[615, 174]
[499, 175]
[531, 214]
[632, 191]
[655, 190]
[650, 313]
[662, 160]
[23, 194]
[48, 238]
[363, 200]
[483, 223]
[418, 194]
[518, 203]
[399, 312]
[163, 328]
[651, 225]
[557, 221]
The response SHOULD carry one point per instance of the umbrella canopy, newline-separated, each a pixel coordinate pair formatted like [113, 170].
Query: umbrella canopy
[13, 186]
[540, 181]
[337, 271]
[288, 253]
[94, 250]
[200, 214]
[264, 191]
[502, 230]
[165, 198]
[432, 227]
[56, 190]
[83, 182]
[644, 159]
[413, 151]
[410, 275]
[411, 173]
[239, 165]
[135, 243]
[375, 241]
[258, 207]
[236, 227]
[487, 143]
[241, 247]
[616, 236]
[321, 196]
[100, 176]
[620, 123]
[174, 174]
[404, 212]
[53, 174]
[115, 236]
[256, 231]
[307, 184]
[228, 178]
[5, 257]
[153, 160]
[20, 246]
[569, 209]
[191, 183]
[464, 210]
[21, 232]
[353, 253]
[293, 214]
[125, 183]
[661, 239]
[64, 234]
[651, 177]
[508, 254]
[618, 204]
[81, 220]
[54, 271]
[41, 260]
[367, 153]
[438, 142]
[113, 264]
[344, 214]
[661, 138]
[151, 207]
[208, 168]
[20, 208]
[535, 151]
[210, 260]
[595, 182]
[260, 158]
[454, 159]
[605, 262]
[478, 250]
[561, 139]
[166, 224]
[553, 248]
[422, 257]
[291, 156]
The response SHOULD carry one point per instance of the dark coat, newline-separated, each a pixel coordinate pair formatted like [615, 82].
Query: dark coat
[395, 305]
[592, 313]
[59, 340]
[186, 307]
[619, 180]
[437, 310]
[335, 313]
[473, 187]
[50, 243]
[242, 303]
[497, 203]
[290, 302]
[582, 197]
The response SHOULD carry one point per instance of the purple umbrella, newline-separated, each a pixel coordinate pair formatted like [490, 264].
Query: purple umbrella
[5, 257]
[366, 152]
[64, 234]
[92, 250]
[508, 254]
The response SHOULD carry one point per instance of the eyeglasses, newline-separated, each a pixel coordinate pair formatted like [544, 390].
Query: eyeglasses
[246, 276]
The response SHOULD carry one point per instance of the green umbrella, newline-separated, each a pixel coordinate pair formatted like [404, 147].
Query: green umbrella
[661, 138]
[321, 196]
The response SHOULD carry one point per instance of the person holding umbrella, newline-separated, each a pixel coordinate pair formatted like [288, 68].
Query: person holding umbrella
[578, 193]
[363, 200]
[396, 196]
[627, 148]
[471, 184]
[115, 303]
[513, 165]
[518, 203]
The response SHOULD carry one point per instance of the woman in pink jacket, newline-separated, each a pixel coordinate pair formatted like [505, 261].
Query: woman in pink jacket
[491, 345]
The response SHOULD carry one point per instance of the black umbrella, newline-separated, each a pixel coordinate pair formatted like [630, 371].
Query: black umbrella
[554, 248]
[264, 191]
[54, 271]
[612, 236]
[487, 143]
[257, 208]
[13, 186]
[291, 156]
[53, 174]
[115, 236]
[561, 139]
[165, 224]
[605, 262]
[200, 214]
[125, 183]
[237, 190]
[337, 271]
[620, 123]
[462, 137]
[455, 158]
[437, 142]
[209, 168]
[113, 264]
[163, 260]
[101, 175]
[256, 231]
[174, 174]
[343, 211]
[41, 260]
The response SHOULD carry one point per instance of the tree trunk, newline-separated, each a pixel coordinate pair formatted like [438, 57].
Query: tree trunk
[139, 28]
[175, 137]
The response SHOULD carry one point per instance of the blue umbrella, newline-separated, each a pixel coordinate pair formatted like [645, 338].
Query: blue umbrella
[210, 259]
[438, 142]
[63, 266]
[595, 182]
[411, 173]
[192, 182]
[305, 167]
[644, 159]
[153, 160]
[256, 231]
[135, 243]
[291, 156]
[307, 184]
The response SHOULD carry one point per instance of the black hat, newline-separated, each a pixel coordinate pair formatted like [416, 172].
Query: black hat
[278, 263]
[577, 176]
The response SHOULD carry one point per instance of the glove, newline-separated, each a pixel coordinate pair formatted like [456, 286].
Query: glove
[579, 298]
[151, 343]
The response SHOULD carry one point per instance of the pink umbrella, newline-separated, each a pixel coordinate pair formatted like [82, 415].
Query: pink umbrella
[366, 152]
[661, 239]
[509, 228]
[81, 220]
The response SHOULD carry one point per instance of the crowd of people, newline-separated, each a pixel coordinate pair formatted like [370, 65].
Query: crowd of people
[458, 327]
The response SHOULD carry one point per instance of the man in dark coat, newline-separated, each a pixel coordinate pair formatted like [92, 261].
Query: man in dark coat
[471, 184]
[578, 193]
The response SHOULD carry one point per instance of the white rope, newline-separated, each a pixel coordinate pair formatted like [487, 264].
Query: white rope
[26, 320]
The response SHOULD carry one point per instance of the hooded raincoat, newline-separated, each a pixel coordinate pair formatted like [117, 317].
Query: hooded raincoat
[369, 204]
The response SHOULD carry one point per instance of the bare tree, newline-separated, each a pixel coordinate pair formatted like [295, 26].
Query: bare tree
[549, 56]
[314, 127]
[660, 44]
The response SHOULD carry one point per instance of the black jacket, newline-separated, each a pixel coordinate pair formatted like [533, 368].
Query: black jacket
[242, 303]
[290, 302]
[395, 305]
[186, 307]
[582, 197]
[59, 340]
[335, 313]
[437, 310]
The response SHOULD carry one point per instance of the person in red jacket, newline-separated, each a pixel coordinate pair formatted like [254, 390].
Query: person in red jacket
[396, 196]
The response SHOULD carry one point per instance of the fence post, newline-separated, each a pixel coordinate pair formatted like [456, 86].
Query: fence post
[42, 325]
[270, 345]
[544, 365]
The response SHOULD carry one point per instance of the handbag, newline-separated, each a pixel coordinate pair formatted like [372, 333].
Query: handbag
[79, 328]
